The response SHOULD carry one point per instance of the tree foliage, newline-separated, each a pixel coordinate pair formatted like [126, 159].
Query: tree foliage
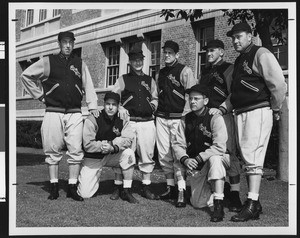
[267, 23]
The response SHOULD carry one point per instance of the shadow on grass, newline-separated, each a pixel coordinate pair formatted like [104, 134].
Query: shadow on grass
[30, 159]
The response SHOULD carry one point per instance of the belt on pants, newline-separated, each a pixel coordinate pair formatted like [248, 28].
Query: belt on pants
[169, 115]
[139, 119]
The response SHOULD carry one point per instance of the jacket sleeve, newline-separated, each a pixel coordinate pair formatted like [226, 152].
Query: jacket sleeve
[266, 65]
[34, 74]
[119, 86]
[188, 80]
[125, 140]
[154, 94]
[90, 129]
[226, 106]
[219, 138]
[179, 143]
[88, 87]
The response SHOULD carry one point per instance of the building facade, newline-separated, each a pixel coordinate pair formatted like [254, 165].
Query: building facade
[105, 36]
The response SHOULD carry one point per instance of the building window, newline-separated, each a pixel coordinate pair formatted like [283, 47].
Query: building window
[56, 12]
[42, 14]
[29, 17]
[155, 48]
[113, 56]
[204, 34]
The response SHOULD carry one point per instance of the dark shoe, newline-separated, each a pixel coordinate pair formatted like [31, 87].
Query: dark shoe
[127, 196]
[249, 212]
[171, 193]
[72, 193]
[116, 193]
[259, 207]
[235, 204]
[148, 194]
[218, 214]
[53, 191]
[181, 201]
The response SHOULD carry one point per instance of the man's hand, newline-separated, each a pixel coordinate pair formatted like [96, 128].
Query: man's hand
[95, 112]
[106, 147]
[214, 111]
[123, 113]
[191, 163]
[276, 115]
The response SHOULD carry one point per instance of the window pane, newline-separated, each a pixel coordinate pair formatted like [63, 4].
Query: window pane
[43, 14]
[113, 64]
[29, 19]
[155, 48]
[56, 12]
[204, 35]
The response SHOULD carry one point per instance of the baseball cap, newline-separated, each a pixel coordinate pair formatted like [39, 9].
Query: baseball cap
[214, 44]
[172, 45]
[204, 90]
[112, 95]
[242, 26]
[64, 34]
[135, 53]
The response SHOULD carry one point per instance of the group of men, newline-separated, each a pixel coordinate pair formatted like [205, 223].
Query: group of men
[198, 127]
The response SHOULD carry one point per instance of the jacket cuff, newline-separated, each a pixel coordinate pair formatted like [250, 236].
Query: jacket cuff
[199, 159]
[116, 149]
[41, 98]
[183, 159]
[153, 107]
[223, 110]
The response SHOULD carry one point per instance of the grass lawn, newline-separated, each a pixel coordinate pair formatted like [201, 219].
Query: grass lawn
[35, 210]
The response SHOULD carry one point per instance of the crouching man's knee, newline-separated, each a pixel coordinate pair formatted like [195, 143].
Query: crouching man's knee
[127, 159]
[217, 167]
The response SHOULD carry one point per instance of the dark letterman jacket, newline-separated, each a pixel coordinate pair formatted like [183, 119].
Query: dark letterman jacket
[214, 77]
[136, 96]
[248, 89]
[198, 132]
[107, 129]
[171, 95]
[63, 88]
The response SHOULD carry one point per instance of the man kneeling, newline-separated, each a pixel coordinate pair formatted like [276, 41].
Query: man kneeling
[200, 145]
[106, 142]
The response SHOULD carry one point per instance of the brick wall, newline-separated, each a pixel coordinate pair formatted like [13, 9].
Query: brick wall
[94, 57]
[221, 28]
[21, 16]
[86, 15]
[68, 18]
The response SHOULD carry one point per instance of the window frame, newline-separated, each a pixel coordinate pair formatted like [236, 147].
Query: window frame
[29, 17]
[112, 70]
[42, 15]
[155, 50]
[202, 37]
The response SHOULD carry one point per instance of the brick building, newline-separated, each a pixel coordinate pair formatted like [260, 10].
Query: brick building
[103, 38]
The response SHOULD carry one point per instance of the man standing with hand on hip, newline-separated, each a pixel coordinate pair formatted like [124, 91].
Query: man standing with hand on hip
[257, 92]
[64, 78]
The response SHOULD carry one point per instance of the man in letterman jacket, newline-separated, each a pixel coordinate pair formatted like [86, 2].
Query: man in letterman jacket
[200, 146]
[106, 142]
[257, 92]
[138, 102]
[218, 78]
[64, 78]
[172, 82]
